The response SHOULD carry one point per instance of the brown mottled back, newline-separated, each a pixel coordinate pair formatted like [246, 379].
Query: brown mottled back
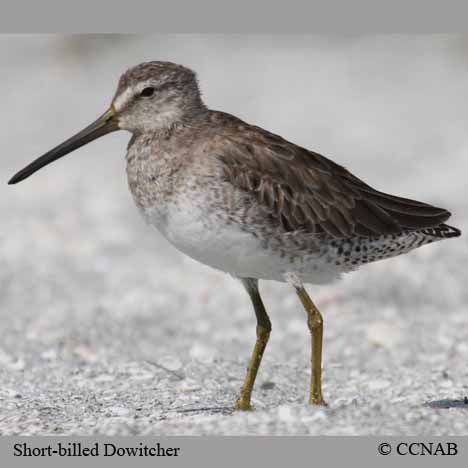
[306, 191]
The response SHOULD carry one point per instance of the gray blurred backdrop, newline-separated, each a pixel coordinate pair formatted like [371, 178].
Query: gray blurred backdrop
[105, 328]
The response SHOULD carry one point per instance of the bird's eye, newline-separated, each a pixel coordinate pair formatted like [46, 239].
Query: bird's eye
[147, 92]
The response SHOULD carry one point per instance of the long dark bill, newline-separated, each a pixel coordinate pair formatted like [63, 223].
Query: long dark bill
[105, 124]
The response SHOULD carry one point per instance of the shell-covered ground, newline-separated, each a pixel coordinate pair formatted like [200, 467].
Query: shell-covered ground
[106, 329]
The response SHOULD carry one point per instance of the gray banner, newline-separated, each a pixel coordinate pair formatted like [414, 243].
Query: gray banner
[233, 451]
[239, 16]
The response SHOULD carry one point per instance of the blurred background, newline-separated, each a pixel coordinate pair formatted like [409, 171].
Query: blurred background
[89, 295]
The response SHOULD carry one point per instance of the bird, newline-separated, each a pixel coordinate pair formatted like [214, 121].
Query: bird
[245, 201]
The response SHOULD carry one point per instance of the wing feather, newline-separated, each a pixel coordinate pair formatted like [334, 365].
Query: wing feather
[306, 191]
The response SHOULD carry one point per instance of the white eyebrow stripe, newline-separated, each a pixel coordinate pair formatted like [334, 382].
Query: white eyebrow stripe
[123, 98]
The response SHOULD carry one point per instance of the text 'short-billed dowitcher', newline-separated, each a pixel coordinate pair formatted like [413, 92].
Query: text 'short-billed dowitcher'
[248, 202]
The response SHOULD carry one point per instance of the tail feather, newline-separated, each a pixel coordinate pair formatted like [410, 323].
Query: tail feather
[443, 231]
[401, 214]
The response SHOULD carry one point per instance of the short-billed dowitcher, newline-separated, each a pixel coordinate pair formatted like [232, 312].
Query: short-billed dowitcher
[247, 202]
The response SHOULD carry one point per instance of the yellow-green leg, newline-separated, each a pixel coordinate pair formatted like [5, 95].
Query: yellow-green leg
[315, 324]
[263, 333]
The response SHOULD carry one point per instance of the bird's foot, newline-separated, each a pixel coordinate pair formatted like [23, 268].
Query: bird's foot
[243, 404]
[317, 400]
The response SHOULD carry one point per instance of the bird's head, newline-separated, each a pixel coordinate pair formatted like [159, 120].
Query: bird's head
[155, 95]
[150, 97]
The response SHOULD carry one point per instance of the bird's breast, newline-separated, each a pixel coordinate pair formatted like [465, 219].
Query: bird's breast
[187, 210]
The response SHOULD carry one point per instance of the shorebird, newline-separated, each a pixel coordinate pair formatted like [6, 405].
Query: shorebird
[246, 201]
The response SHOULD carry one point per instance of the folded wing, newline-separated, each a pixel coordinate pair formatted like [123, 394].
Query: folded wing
[306, 191]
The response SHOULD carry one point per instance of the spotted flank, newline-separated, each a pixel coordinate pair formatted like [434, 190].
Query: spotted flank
[352, 253]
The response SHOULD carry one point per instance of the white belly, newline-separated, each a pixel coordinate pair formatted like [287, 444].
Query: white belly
[208, 238]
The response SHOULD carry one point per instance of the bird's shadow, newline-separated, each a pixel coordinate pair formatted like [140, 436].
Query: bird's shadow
[447, 403]
[225, 410]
